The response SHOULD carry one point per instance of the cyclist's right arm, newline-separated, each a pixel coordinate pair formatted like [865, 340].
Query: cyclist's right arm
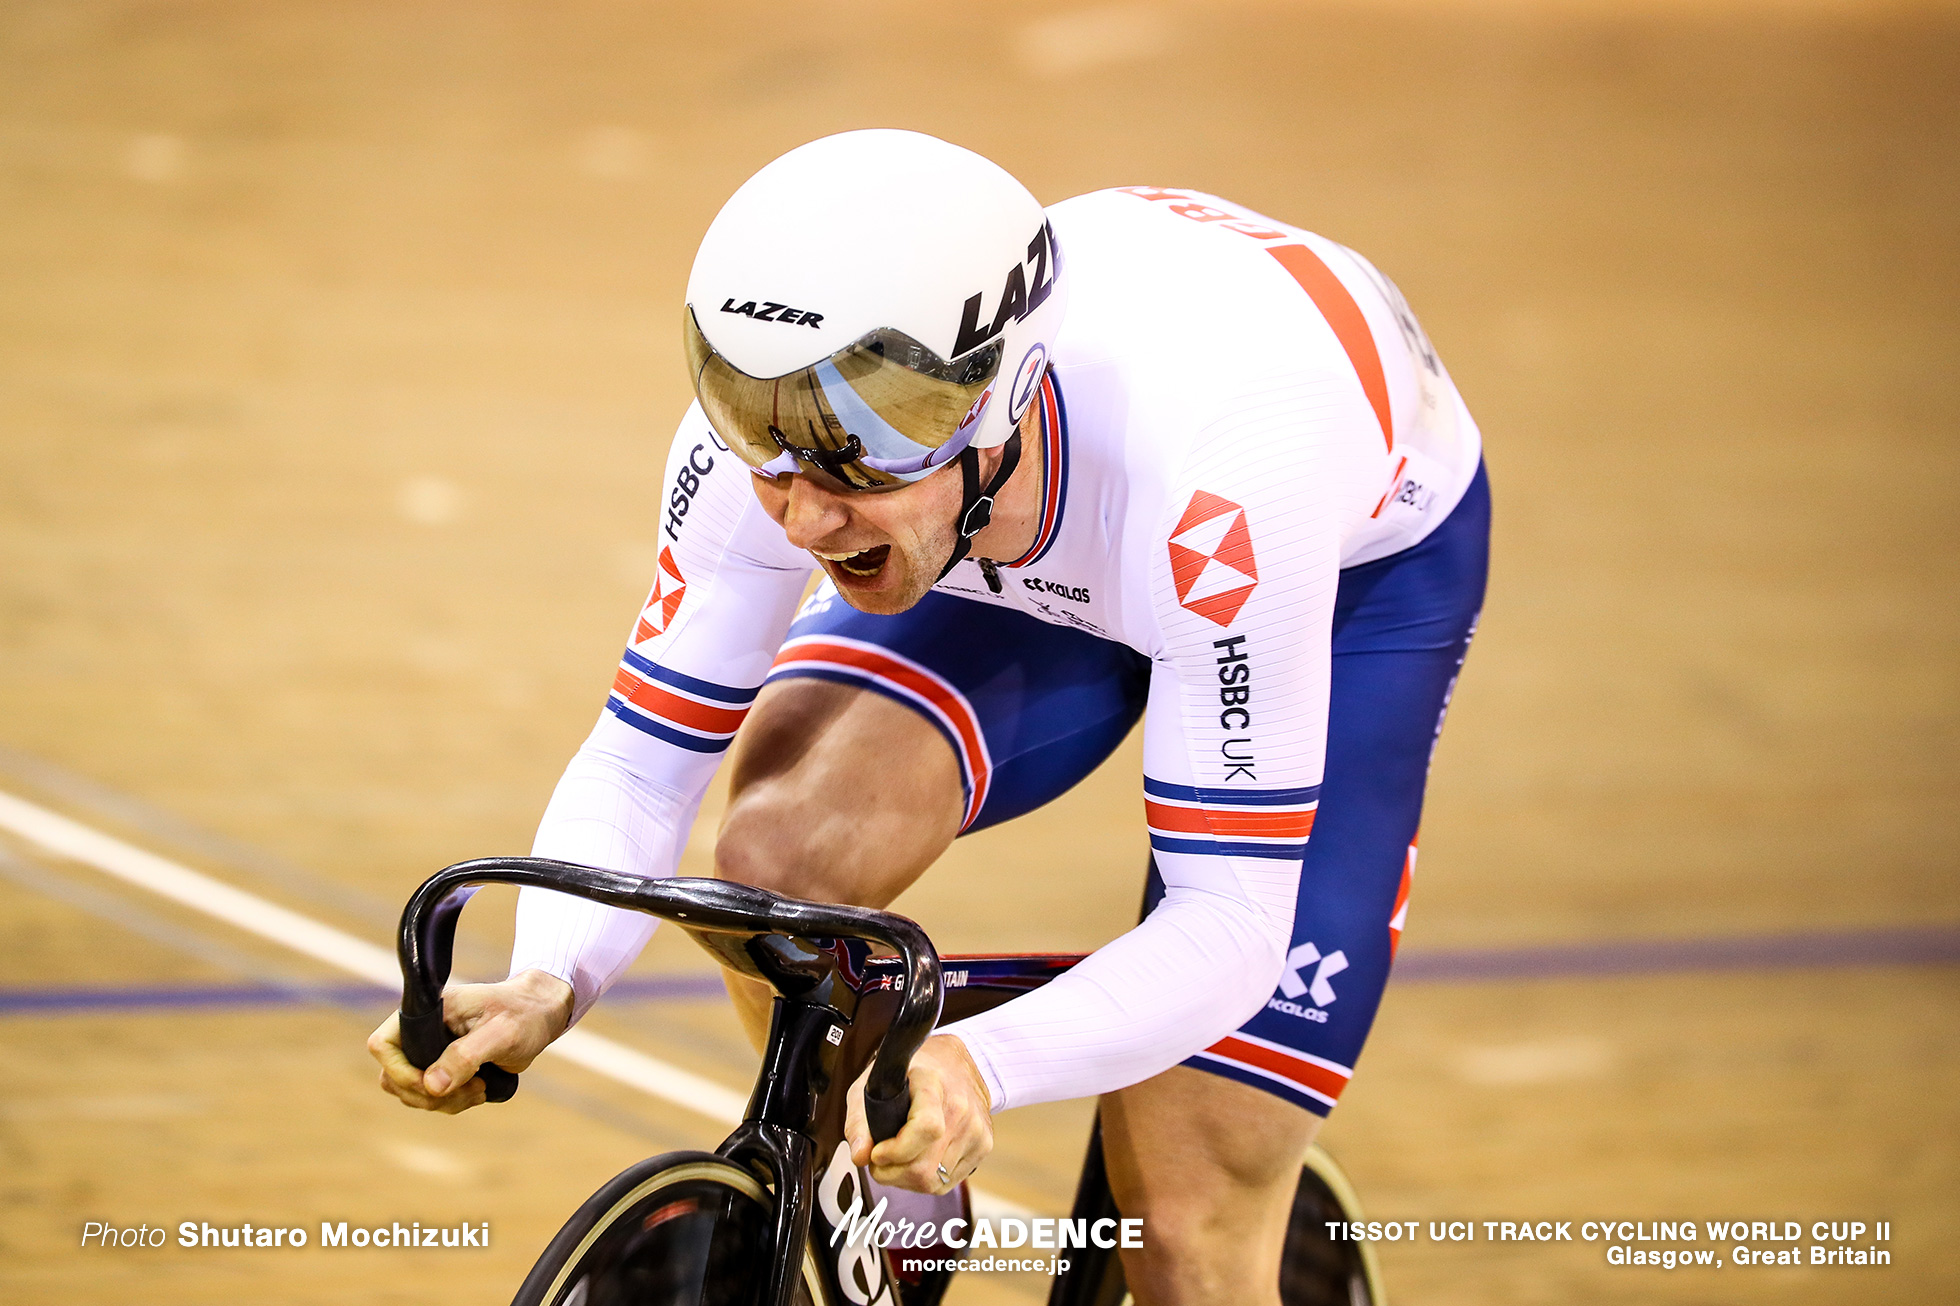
[727, 587]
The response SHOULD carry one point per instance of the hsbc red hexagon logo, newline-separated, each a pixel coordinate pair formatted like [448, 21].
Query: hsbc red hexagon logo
[1211, 558]
[669, 588]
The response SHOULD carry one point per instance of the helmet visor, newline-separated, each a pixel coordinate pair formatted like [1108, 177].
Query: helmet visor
[876, 415]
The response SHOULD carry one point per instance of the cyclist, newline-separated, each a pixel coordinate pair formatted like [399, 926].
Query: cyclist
[1147, 453]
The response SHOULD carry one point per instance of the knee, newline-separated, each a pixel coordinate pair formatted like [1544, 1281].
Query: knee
[1186, 1258]
[1203, 1243]
[772, 841]
[1180, 1218]
[759, 845]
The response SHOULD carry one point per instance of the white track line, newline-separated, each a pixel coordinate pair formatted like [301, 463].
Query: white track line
[77, 842]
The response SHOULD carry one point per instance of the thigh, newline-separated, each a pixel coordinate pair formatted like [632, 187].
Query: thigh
[876, 740]
[1023, 708]
[836, 795]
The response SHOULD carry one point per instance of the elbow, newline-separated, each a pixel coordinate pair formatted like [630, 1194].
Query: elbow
[1264, 974]
[1242, 949]
[1263, 953]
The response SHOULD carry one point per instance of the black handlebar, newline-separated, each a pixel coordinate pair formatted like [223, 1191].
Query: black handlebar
[428, 935]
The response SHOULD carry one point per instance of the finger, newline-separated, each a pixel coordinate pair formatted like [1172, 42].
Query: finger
[968, 1166]
[921, 1173]
[402, 1075]
[924, 1132]
[857, 1129]
[461, 1060]
[385, 1046]
[469, 1095]
[409, 1095]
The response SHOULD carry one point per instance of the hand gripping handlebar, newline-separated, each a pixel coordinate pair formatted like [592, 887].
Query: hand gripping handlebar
[428, 936]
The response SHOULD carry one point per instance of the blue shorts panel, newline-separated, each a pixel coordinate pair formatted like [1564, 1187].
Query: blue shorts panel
[1031, 708]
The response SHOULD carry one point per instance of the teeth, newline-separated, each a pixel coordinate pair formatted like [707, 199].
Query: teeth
[853, 561]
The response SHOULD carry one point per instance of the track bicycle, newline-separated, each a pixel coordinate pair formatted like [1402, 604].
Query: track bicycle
[778, 1215]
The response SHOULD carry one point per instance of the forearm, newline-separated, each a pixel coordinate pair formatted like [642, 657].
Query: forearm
[1184, 978]
[602, 814]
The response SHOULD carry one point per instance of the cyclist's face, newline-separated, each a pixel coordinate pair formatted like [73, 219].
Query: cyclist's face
[882, 551]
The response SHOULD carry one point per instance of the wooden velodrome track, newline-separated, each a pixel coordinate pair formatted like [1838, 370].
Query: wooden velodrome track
[338, 356]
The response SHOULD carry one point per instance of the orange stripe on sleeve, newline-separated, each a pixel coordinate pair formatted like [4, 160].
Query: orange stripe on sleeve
[640, 693]
[1279, 824]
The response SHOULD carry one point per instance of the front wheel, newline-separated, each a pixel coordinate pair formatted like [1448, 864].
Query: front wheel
[683, 1229]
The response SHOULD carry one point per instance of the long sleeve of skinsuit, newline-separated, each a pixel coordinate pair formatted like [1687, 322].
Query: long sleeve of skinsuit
[726, 589]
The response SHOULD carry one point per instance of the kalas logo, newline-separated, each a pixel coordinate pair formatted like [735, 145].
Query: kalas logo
[1318, 989]
[979, 407]
[1211, 558]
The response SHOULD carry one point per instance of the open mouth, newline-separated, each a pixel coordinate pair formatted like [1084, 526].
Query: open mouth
[859, 562]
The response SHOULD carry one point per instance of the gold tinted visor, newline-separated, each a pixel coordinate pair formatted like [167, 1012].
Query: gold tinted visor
[878, 414]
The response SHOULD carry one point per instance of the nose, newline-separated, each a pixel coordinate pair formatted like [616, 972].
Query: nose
[812, 512]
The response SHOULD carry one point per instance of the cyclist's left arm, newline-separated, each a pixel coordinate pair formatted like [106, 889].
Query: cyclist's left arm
[1234, 742]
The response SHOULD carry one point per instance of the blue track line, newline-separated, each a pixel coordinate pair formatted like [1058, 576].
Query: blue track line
[1923, 946]
[1904, 946]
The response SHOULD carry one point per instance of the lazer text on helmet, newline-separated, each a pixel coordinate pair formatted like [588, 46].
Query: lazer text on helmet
[1021, 294]
[770, 311]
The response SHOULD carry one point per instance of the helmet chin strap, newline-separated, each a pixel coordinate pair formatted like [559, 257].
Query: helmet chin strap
[976, 504]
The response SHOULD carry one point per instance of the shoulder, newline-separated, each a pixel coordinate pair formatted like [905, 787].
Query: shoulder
[1186, 286]
[1168, 219]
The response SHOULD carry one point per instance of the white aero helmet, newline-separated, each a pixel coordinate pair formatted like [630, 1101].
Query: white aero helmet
[869, 307]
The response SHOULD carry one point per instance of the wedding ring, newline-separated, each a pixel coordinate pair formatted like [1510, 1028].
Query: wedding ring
[944, 1178]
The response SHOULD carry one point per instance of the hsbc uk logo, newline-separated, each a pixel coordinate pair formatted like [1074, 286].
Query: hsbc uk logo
[1212, 565]
[1317, 989]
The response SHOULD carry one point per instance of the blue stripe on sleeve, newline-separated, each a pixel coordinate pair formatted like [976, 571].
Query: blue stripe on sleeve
[705, 688]
[1233, 797]
[662, 731]
[1164, 843]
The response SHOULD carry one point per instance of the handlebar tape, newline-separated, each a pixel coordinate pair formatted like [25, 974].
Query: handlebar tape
[886, 1115]
[424, 1037]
